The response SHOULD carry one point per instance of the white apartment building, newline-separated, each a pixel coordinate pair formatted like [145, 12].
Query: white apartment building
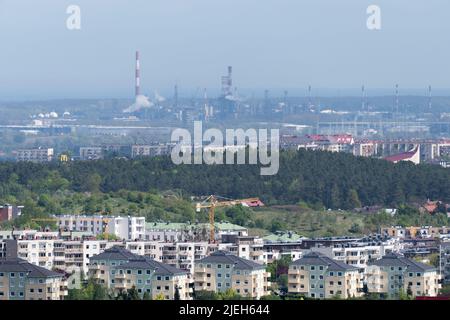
[125, 228]
[360, 254]
[35, 155]
[37, 252]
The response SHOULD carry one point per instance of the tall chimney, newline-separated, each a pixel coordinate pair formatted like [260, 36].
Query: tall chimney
[230, 78]
[138, 75]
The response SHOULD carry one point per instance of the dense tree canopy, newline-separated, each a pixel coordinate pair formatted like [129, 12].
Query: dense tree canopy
[329, 179]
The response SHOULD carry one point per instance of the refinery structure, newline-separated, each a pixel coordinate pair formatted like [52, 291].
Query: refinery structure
[395, 127]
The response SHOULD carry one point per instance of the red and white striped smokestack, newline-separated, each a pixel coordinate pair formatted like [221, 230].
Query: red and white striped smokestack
[138, 75]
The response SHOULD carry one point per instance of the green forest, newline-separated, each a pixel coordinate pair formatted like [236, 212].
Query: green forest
[307, 182]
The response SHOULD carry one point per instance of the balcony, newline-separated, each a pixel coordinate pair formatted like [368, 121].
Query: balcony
[120, 276]
[200, 270]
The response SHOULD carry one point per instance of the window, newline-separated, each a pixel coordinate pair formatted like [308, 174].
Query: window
[12, 275]
[321, 268]
[158, 278]
[139, 271]
[219, 285]
[227, 266]
[313, 277]
[158, 288]
[166, 288]
[219, 275]
[149, 272]
[331, 274]
[331, 283]
[331, 292]
[313, 268]
[167, 278]
[128, 271]
[219, 266]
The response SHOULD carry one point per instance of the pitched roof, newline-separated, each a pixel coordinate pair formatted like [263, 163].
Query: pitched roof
[228, 258]
[402, 156]
[396, 260]
[115, 253]
[147, 263]
[33, 271]
[319, 259]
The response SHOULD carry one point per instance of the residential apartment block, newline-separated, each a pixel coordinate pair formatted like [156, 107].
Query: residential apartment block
[318, 276]
[127, 228]
[222, 270]
[394, 274]
[444, 252]
[360, 253]
[120, 269]
[35, 155]
[20, 280]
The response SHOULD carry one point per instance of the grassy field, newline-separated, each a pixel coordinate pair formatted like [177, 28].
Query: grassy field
[307, 222]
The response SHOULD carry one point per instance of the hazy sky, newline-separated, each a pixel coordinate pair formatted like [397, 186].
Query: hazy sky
[270, 43]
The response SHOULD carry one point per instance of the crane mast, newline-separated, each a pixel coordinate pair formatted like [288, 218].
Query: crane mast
[212, 202]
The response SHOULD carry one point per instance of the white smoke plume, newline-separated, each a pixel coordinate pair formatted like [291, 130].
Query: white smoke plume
[158, 97]
[140, 103]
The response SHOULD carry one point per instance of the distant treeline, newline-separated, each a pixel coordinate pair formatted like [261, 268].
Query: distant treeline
[333, 180]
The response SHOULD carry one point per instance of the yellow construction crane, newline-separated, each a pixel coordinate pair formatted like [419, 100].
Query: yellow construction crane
[213, 201]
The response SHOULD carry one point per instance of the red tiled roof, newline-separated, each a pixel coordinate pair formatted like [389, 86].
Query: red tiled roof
[402, 156]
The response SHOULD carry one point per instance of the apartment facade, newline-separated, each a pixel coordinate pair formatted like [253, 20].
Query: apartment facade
[359, 254]
[20, 280]
[119, 269]
[126, 228]
[318, 276]
[394, 274]
[222, 270]
[35, 155]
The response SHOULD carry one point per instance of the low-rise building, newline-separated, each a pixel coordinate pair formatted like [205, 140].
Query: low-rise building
[9, 212]
[318, 276]
[394, 274]
[91, 153]
[222, 270]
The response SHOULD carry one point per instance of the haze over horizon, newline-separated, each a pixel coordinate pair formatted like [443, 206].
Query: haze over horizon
[275, 44]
